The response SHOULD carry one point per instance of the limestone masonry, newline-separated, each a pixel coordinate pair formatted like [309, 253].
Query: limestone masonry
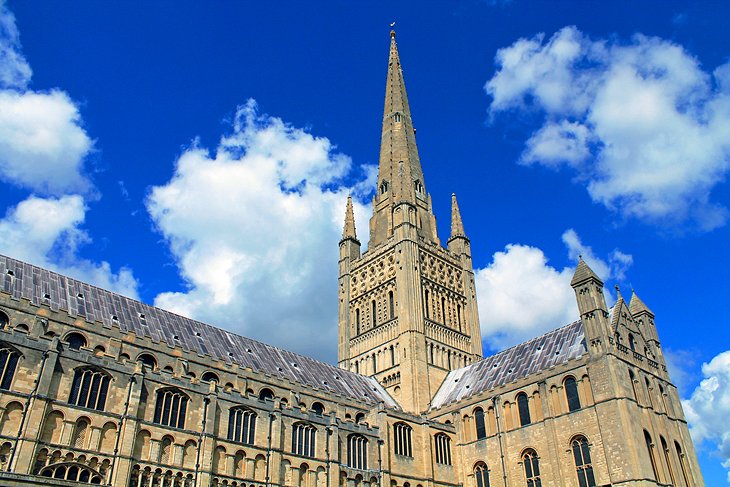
[96, 388]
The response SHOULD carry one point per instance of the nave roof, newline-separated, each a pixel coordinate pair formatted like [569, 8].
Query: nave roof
[61, 293]
[553, 348]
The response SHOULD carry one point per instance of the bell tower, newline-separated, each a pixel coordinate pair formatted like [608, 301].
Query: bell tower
[407, 305]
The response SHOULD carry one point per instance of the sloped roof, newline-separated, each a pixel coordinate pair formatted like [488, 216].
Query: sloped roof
[61, 293]
[552, 348]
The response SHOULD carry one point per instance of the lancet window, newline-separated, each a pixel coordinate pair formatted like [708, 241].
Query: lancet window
[571, 393]
[481, 475]
[531, 462]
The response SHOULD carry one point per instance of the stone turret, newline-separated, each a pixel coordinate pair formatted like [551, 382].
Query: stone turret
[592, 307]
[349, 251]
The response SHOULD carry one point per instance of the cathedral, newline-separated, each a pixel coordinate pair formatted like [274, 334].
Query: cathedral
[97, 388]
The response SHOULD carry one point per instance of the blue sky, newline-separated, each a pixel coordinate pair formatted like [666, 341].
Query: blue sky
[197, 156]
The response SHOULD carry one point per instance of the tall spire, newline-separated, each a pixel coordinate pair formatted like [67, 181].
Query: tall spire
[401, 202]
[400, 166]
[457, 226]
[349, 229]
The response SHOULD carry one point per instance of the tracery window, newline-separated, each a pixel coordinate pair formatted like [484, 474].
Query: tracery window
[650, 450]
[481, 474]
[571, 393]
[402, 439]
[303, 439]
[443, 449]
[481, 427]
[583, 464]
[8, 363]
[524, 409]
[171, 407]
[357, 452]
[89, 388]
[531, 463]
[241, 425]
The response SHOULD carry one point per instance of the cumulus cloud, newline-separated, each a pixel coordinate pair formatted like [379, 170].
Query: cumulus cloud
[520, 295]
[708, 408]
[42, 140]
[42, 148]
[47, 232]
[641, 124]
[253, 227]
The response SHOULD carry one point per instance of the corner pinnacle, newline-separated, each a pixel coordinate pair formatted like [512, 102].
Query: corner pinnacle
[457, 226]
[349, 229]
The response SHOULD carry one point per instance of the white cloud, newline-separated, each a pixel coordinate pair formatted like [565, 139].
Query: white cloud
[521, 296]
[46, 232]
[708, 408]
[253, 227]
[641, 123]
[42, 141]
[14, 69]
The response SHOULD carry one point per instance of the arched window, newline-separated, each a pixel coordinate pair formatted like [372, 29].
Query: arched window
[632, 378]
[75, 341]
[650, 450]
[384, 187]
[663, 397]
[357, 321]
[648, 391]
[402, 439]
[303, 439]
[443, 310]
[396, 117]
[318, 408]
[81, 428]
[571, 394]
[74, 472]
[210, 377]
[8, 363]
[166, 450]
[531, 463]
[683, 465]
[241, 425]
[357, 452]
[427, 304]
[481, 474]
[147, 360]
[443, 449]
[583, 464]
[481, 427]
[359, 417]
[524, 409]
[665, 449]
[374, 315]
[4, 320]
[391, 304]
[171, 407]
[89, 388]
[632, 342]
[266, 394]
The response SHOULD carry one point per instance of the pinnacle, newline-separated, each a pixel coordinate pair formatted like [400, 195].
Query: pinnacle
[349, 229]
[636, 305]
[457, 226]
[583, 273]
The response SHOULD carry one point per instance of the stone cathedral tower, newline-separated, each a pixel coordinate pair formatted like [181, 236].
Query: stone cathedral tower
[407, 306]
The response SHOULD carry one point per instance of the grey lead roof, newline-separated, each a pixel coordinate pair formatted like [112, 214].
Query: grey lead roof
[553, 348]
[41, 286]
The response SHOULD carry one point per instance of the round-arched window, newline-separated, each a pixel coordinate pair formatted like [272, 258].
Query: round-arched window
[75, 341]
